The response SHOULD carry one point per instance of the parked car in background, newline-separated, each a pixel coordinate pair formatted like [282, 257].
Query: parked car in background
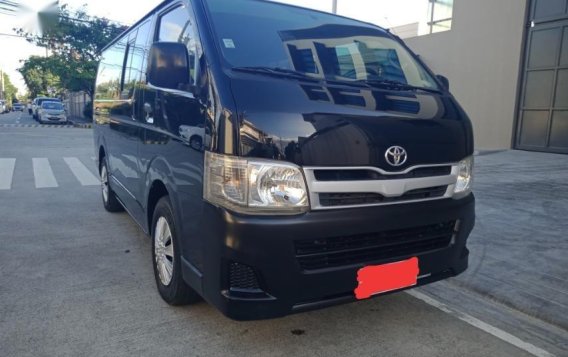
[195, 136]
[36, 104]
[3, 107]
[17, 107]
[52, 112]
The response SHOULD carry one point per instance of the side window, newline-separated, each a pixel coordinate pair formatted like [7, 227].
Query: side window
[134, 75]
[109, 76]
[176, 26]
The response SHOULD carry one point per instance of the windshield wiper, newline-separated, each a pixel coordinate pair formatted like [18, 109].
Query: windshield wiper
[277, 71]
[396, 85]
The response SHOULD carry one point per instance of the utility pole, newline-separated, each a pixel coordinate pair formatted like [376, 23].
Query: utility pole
[334, 6]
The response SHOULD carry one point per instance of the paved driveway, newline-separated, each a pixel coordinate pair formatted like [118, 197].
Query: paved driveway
[521, 239]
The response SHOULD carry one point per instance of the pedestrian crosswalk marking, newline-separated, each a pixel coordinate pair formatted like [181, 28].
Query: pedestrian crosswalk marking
[7, 167]
[43, 174]
[81, 172]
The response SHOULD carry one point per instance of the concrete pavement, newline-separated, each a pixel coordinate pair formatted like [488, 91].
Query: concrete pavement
[520, 242]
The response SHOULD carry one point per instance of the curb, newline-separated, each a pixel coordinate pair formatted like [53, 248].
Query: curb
[83, 126]
[36, 126]
[53, 126]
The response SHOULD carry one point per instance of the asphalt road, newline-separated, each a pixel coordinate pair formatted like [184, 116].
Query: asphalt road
[78, 281]
[23, 119]
[17, 118]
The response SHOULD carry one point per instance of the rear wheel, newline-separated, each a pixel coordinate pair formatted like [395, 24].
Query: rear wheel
[110, 201]
[166, 257]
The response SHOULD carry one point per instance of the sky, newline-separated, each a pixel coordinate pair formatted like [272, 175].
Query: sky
[386, 13]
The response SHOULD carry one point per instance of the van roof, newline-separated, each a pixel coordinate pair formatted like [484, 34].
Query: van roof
[167, 2]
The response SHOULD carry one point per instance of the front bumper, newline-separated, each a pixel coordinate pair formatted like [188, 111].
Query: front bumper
[266, 244]
[53, 119]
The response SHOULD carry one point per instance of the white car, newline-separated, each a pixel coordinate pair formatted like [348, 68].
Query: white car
[17, 107]
[52, 112]
[36, 104]
[195, 136]
[3, 107]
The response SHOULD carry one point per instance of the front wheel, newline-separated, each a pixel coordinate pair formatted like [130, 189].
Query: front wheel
[110, 201]
[166, 257]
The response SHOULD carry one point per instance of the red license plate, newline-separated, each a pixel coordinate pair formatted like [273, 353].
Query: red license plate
[386, 277]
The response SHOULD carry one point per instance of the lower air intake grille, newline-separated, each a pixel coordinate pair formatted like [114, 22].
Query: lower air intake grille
[324, 253]
[242, 277]
[354, 199]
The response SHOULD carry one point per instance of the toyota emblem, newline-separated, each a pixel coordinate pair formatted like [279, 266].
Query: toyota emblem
[396, 156]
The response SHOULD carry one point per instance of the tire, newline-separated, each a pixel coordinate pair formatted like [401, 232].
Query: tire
[166, 257]
[110, 202]
[196, 142]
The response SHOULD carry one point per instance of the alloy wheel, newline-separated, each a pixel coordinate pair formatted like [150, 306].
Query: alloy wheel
[164, 251]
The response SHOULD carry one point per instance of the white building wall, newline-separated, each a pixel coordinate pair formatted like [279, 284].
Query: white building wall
[481, 56]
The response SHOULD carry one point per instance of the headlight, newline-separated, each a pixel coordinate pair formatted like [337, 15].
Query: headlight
[254, 186]
[465, 178]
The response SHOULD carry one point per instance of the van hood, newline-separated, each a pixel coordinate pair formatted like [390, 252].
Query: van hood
[317, 124]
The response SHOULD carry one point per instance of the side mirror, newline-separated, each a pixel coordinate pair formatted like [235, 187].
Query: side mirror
[169, 66]
[444, 80]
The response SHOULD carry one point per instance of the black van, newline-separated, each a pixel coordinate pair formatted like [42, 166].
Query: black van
[282, 159]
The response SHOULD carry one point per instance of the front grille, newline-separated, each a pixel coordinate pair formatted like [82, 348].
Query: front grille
[313, 254]
[363, 175]
[353, 199]
[242, 277]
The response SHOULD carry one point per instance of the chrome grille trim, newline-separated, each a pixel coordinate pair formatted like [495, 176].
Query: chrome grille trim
[387, 188]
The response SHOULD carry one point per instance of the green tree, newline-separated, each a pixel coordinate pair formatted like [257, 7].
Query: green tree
[41, 75]
[10, 91]
[75, 42]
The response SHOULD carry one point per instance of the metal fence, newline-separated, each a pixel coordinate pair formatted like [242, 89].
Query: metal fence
[75, 103]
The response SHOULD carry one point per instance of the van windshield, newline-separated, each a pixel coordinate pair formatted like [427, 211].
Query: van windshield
[258, 34]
